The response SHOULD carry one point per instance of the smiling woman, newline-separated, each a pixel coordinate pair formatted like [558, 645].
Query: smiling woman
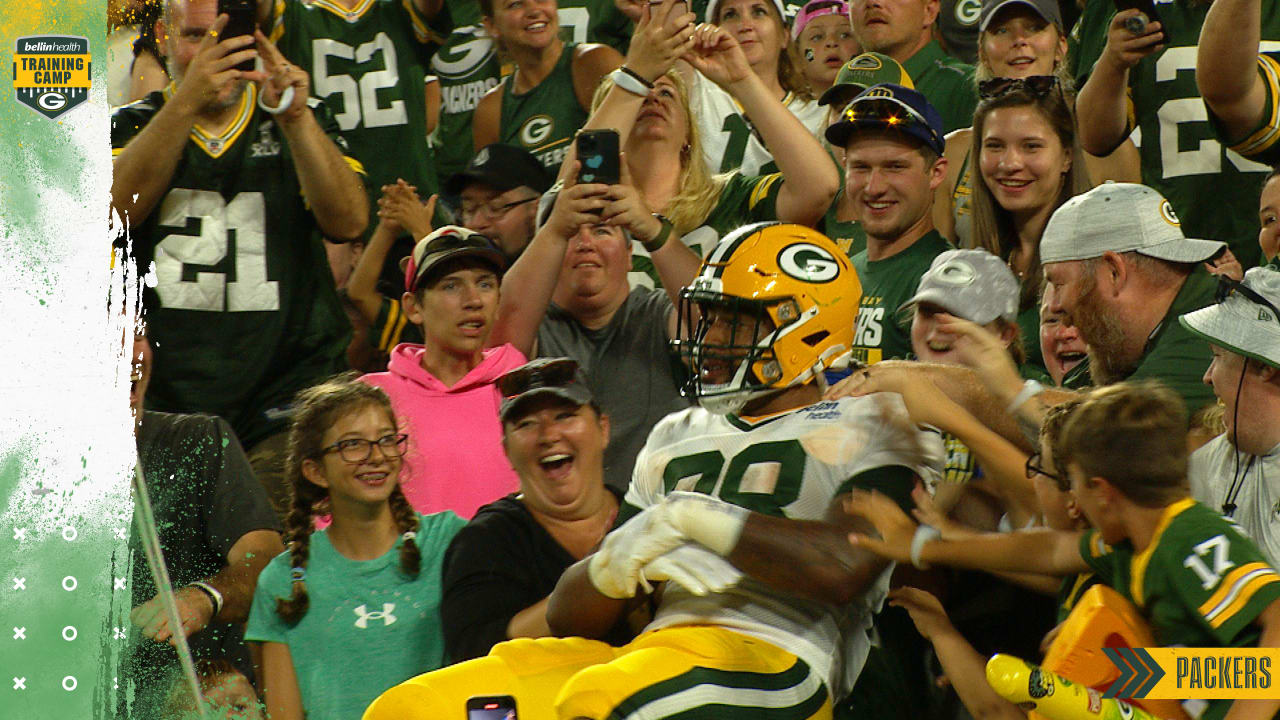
[502, 566]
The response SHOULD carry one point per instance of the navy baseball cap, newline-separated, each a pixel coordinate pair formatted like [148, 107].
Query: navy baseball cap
[890, 107]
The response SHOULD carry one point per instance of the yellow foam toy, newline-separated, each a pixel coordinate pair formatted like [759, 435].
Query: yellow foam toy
[1103, 619]
[1053, 696]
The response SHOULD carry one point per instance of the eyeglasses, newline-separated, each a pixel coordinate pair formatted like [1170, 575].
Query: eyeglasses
[1227, 286]
[555, 373]
[1034, 468]
[1038, 86]
[357, 450]
[470, 212]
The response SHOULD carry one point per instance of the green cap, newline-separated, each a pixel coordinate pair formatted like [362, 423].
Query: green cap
[861, 72]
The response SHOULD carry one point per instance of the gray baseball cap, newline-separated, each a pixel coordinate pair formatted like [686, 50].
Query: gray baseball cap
[1120, 217]
[1047, 9]
[1239, 322]
[970, 284]
[542, 378]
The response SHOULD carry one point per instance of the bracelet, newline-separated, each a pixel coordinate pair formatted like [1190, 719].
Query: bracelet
[630, 82]
[924, 534]
[213, 594]
[636, 75]
[653, 245]
[286, 99]
[1030, 389]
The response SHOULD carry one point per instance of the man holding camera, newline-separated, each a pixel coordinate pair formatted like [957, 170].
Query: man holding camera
[223, 179]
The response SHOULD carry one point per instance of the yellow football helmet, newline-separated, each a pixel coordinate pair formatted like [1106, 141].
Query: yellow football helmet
[772, 307]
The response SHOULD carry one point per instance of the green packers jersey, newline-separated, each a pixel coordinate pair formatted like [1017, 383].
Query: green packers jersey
[243, 313]
[367, 65]
[881, 333]
[847, 234]
[1260, 143]
[946, 82]
[1214, 190]
[544, 120]
[743, 200]
[1201, 582]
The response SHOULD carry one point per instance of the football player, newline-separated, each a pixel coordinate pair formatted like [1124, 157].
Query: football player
[756, 476]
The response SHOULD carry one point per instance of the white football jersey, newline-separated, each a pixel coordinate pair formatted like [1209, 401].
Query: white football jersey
[790, 465]
[729, 140]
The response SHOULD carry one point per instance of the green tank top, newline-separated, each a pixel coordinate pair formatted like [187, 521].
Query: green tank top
[544, 120]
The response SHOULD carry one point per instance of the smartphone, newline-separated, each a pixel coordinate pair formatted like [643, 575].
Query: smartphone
[491, 707]
[680, 8]
[1148, 8]
[598, 153]
[242, 19]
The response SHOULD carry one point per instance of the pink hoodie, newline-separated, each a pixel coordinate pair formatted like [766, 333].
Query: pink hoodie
[455, 459]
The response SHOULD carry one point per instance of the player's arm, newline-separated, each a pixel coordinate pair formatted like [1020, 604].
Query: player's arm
[577, 608]
[1102, 105]
[143, 169]
[528, 285]
[280, 683]
[1269, 621]
[332, 188]
[1047, 552]
[486, 121]
[810, 180]
[1226, 66]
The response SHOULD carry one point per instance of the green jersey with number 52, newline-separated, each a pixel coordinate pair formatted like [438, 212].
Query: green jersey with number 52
[1214, 190]
[367, 64]
[243, 313]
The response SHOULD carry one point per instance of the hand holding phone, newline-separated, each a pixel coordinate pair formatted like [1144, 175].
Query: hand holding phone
[680, 8]
[1148, 10]
[598, 156]
[242, 19]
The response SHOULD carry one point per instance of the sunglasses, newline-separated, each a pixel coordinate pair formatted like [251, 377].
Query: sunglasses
[888, 112]
[556, 373]
[1038, 86]
[1227, 286]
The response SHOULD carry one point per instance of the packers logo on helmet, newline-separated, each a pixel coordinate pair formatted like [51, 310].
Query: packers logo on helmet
[772, 307]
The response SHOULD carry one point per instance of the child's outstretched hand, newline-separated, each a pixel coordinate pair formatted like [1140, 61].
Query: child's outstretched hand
[893, 525]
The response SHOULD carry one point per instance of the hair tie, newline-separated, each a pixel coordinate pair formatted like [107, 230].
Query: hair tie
[298, 574]
[409, 535]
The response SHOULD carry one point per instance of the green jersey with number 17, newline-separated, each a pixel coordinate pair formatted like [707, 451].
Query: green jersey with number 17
[1213, 190]
[367, 65]
[243, 313]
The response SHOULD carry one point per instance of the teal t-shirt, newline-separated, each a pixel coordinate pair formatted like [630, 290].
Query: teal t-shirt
[384, 626]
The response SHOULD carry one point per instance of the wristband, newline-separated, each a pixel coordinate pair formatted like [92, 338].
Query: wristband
[712, 523]
[924, 534]
[653, 245]
[631, 82]
[628, 71]
[286, 99]
[213, 594]
[1030, 389]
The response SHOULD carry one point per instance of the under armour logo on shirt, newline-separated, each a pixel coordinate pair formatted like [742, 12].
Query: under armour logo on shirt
[365, 616]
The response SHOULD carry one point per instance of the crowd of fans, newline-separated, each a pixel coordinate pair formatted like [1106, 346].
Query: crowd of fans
[900, 325]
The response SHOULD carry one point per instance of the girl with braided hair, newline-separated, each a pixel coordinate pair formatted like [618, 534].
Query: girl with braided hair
[368, 583]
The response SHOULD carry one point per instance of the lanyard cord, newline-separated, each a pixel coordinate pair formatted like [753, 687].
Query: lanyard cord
[1237, 478]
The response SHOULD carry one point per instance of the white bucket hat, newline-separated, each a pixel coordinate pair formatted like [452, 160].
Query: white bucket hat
[1120, 217]
[1239, 322]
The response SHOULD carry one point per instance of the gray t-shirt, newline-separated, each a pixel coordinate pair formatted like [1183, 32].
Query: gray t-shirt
[629, 368]
[1251, 483]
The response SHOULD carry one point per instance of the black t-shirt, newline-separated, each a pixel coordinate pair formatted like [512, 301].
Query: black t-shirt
[205, 498]
[500, 563]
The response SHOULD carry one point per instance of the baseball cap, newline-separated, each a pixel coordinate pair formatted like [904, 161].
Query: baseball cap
[1120, 217]
[502, 167]
[970, 284]
[893, 107]
[816, 9]
[448, 243]
[1047, 9]
[545, 377]
[861, 72]
[1245, 320]
[715, 5]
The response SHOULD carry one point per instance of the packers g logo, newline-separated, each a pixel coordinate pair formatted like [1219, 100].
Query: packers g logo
[808, 262]
[1166, 212]
[536, 130]
[967, 11]
[957, 273]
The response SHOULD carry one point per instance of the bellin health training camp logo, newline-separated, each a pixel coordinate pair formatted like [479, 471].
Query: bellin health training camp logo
[51, 73]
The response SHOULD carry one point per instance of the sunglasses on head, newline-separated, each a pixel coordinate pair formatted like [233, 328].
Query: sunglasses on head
[885, 111]
[1038, 86]
[1227, 286]
[556, 373]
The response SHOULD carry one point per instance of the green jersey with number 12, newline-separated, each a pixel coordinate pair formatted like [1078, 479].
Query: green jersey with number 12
[791, 465]
[243, 313]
